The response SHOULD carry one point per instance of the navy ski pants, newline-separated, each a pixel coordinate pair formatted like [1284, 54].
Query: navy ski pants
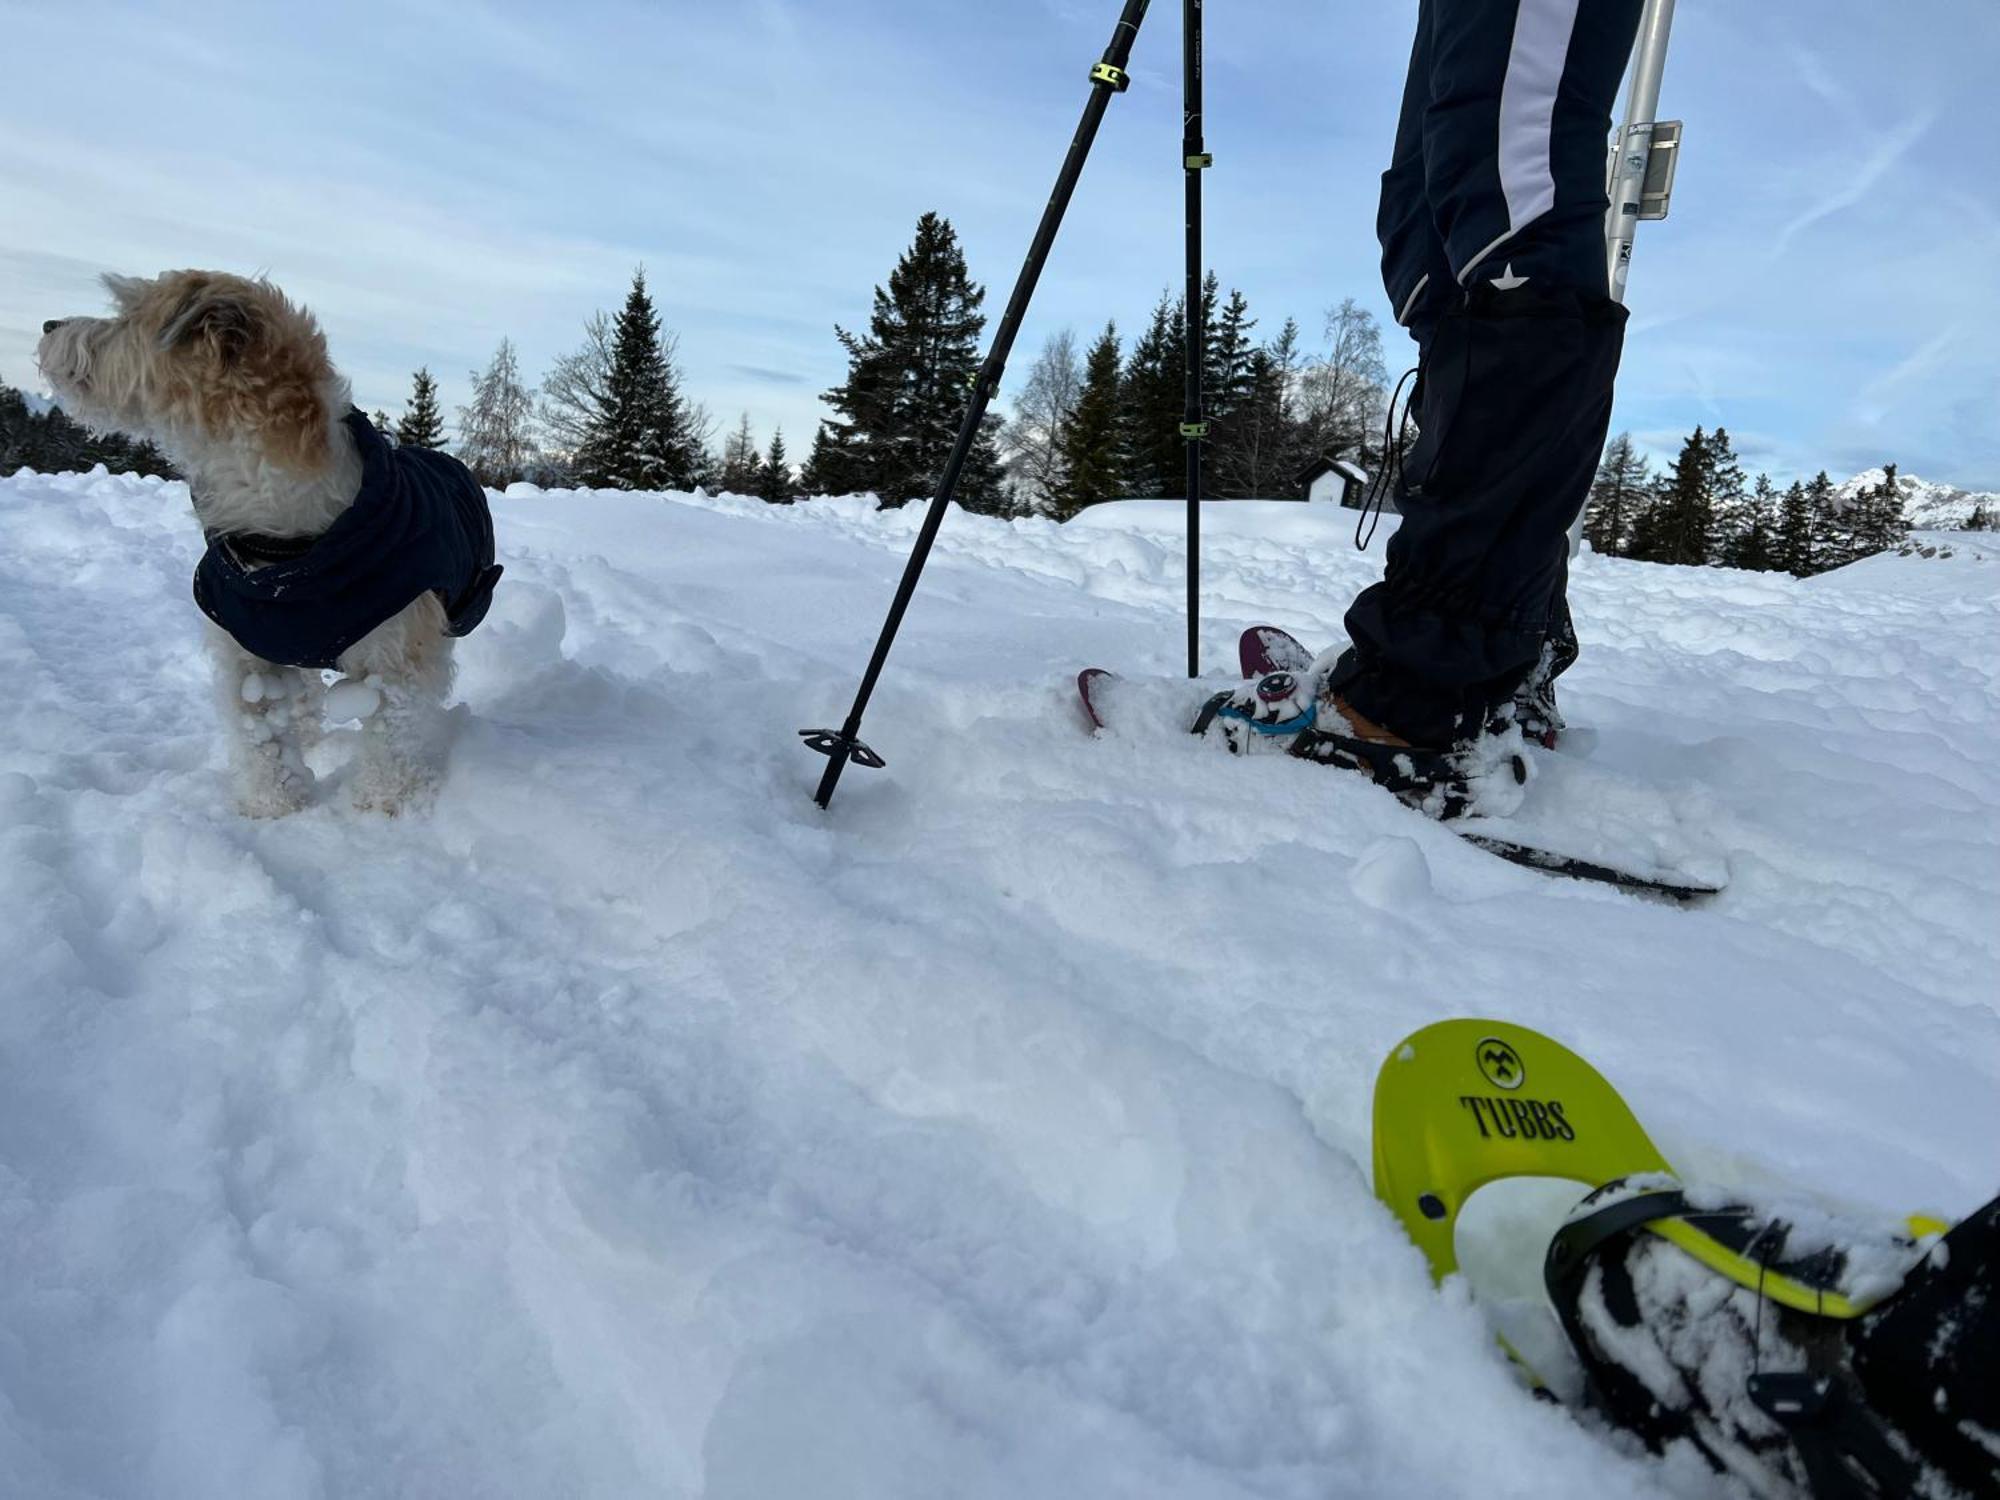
[1493, 254]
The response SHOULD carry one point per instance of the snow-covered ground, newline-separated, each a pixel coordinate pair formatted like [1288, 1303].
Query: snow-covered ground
[627, 1126]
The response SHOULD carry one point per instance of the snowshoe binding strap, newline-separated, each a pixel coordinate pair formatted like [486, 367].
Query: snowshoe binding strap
[1832, 1441]
[1437, 782]
[1276, 706]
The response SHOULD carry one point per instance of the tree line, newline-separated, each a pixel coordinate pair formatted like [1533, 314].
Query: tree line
[1701, 511]
[50, 442]
[1089, 424]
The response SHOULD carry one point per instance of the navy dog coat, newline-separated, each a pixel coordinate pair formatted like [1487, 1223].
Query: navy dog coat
[419, 524]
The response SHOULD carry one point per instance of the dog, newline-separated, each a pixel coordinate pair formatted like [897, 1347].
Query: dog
[328, 547]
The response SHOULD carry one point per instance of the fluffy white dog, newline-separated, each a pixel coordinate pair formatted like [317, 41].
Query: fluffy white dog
[328, 546]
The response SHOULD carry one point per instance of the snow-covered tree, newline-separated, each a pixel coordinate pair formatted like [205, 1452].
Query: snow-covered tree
[496, 440]
[640, 438]
[422, 424]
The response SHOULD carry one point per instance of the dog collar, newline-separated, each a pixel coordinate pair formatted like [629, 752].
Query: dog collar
[254, 550]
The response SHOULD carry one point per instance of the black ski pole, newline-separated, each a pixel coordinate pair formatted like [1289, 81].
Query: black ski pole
[1108, 77]
[1193, 428]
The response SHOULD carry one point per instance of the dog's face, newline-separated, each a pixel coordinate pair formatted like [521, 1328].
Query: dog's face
[193, 357]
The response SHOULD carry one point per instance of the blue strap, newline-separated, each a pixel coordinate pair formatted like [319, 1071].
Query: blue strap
[1303, 722]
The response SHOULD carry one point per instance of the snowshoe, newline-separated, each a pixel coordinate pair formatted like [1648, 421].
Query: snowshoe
[1835, 1366]
[1285, 708]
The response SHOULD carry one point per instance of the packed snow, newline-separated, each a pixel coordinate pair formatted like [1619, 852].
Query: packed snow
[625, 1125]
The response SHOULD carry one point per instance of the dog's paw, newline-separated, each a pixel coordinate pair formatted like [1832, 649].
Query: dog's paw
[272, 780]
[392, 795]
[273, 801]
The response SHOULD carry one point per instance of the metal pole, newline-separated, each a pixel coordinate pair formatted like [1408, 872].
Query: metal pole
[1107, 78]
[1194, 430]
[1635, 141]
[1629, 161]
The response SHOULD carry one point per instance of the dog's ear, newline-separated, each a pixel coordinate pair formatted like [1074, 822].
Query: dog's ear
[126, 291]
[223, 318]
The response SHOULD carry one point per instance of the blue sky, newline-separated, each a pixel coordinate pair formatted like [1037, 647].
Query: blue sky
[433, 174]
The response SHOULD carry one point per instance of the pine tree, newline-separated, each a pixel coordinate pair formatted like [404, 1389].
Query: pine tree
[1154, 401]
[1616, 497]
[422, 425]
[1678, 526]
[1258, 457]
[640, 439]
[774, 475]
[494, 436]
[1232, 371]
[909, 378]
[1793, 552]
[1729, 499]
[380, 419]
[741, 469]
[1877, 523]
[1093, 464]
[1828, 532]
[1227, 351]
[50, 443]
[1754, 544]
[831, 465]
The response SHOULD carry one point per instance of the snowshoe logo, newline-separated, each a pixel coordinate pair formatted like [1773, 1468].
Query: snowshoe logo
[1501, 1064]
[1518, 1119]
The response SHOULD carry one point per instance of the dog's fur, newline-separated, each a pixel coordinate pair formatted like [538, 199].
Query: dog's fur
[233, 382]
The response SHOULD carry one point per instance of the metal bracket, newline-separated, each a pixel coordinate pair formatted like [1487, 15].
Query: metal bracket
[1114, 78]
[1197, 163]
[1193, 430]
[1658, 191]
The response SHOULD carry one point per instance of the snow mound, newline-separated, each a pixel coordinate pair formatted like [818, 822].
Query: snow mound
[1952, 569]
[628, 1126]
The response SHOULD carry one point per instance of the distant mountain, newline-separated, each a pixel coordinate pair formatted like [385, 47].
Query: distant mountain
[1926, 506]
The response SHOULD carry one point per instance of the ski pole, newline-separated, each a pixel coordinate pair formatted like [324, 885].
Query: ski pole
[1107, 78]
[1194, 430]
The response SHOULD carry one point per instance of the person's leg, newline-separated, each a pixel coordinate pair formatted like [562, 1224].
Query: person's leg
[1518, 368]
